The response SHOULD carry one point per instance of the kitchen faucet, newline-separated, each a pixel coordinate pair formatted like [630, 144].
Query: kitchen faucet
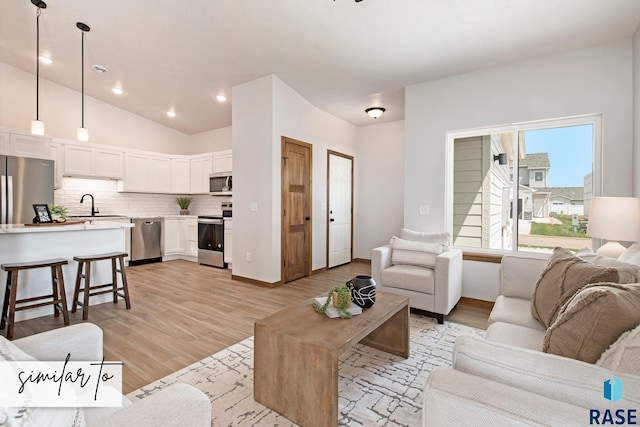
[94, 211]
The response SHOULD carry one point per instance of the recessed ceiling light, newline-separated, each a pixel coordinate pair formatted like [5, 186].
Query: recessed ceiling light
[100, 69]
[171, 114]
[221, 98]
[116, 90]
[45, 60]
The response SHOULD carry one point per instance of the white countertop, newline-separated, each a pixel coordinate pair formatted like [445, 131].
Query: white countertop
[87, 225]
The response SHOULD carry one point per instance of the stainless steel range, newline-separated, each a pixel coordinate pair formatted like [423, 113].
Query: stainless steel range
[211, 238]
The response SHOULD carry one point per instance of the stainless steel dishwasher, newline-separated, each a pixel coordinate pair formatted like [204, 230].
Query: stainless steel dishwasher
[146, 240]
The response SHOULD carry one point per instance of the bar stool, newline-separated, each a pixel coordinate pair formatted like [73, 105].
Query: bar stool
[84, 263]
[58, 297]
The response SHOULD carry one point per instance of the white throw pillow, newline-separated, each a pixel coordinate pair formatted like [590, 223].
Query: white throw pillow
[631, 255]
[73, 417]
[425, 236]
[624, 354]
[415, 253]
[627, 272]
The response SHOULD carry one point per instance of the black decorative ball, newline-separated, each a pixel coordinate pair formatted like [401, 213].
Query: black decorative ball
[363, 291]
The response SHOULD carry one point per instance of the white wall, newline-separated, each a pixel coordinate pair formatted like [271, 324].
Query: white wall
[636, 113]
[211, 140]
[380, 180]
[594, 80]
[264, 110]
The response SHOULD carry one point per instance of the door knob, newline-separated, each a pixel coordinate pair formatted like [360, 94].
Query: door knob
[307, 218]
[331, 220]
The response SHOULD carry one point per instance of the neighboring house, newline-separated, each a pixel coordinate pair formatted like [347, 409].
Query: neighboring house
[534, 173]
[566, 201]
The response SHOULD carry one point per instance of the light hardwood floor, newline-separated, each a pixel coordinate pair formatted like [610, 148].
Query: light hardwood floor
[182, 312]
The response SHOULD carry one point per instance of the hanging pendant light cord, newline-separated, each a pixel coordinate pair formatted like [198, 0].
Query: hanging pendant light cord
[83, 79]
[38, 65]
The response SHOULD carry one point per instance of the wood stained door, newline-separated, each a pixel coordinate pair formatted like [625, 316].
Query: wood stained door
[296, 209]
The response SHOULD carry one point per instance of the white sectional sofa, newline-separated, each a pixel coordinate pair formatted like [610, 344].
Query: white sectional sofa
[180, 404]
[505, 379]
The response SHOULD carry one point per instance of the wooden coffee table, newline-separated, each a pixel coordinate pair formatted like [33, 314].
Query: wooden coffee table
[296, 355]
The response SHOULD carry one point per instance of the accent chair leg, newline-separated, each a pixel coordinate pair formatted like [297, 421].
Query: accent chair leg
[440, 318]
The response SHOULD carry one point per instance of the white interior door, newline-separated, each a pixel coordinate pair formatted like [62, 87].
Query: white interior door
[340, 209]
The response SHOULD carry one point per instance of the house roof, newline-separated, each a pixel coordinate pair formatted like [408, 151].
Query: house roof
[536, 161]
[570, 193]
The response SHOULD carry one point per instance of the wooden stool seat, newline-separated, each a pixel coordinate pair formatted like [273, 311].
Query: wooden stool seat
[84, 272]
[11, 304]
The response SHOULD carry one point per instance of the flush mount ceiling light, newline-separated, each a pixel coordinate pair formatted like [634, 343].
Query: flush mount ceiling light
[45, 60]
[375, 112]
[37, 127]
[221, 98]
[117, 91]
[83, 133]
[171, 113]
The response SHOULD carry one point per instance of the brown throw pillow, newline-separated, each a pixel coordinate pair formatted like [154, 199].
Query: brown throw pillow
[561, 278]
[593, 320]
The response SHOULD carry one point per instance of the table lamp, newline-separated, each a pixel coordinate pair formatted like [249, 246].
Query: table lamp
[614, 219]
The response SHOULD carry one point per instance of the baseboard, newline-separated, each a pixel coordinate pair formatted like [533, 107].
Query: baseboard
[320, 270]
[362, 261]
[256, 282]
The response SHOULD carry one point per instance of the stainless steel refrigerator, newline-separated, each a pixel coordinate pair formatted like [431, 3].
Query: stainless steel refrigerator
[23, 183]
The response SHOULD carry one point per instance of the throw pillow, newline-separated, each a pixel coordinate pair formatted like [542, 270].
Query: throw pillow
[628, 273]
[624, 354]
[425, 236]
[631, 254]
[35, 416]
[415, 253]
[593, 320]
[561, 278]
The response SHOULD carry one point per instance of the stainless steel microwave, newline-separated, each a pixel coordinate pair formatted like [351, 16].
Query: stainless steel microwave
[220, 184]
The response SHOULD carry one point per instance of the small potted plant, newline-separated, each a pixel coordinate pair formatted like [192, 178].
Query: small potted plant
[340, 296]
[58, 212]
[184, 203]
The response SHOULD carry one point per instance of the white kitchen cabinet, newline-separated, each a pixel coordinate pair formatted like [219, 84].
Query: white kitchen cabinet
[57, 155]
[5, 143]
[29, 146]
[222, 162]
[79, 160]
[191, 236]
[228, 241]
[108, 163]
[201, 168]
[181, 175]
[174, 236]
[135, 173]
[159, 178]
[92, 162]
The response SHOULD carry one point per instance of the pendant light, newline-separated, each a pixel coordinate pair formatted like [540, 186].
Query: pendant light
[83, 133]
[37, 127]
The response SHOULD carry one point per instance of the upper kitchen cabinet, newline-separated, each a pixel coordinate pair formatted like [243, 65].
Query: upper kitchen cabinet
[92, 161]
[201, 168]
[181, 175]
[144, 173]
[222, 161]
[24, 145]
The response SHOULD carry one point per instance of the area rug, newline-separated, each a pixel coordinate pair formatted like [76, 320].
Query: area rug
[375, 388]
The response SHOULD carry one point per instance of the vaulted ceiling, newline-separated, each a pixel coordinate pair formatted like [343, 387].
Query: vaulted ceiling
[341, 55]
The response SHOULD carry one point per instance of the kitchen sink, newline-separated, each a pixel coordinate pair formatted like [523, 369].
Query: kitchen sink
[98, 216]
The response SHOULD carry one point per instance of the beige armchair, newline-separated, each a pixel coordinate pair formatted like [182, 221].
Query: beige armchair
[423, 269]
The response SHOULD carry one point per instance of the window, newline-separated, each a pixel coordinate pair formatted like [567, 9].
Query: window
[548, 179]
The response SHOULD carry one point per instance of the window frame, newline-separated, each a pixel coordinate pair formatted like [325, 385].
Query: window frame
[595, 120]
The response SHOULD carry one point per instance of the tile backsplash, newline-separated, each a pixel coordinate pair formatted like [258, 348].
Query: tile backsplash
[109, 201]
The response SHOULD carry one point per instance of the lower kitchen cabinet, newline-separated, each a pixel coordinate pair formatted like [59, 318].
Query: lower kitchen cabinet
[228, 241]
[191, 247]
[174, 236]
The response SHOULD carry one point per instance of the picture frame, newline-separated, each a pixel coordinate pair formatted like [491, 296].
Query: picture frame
[43, 216]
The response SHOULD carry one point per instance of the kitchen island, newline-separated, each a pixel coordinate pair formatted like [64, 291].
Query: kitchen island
[19, 243]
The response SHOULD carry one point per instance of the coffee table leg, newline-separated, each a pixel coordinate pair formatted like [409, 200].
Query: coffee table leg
[392, 336]
[297, 380]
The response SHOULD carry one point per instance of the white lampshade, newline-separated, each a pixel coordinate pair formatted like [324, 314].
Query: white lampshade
[37, 127]
[614, 219]
[83, 134]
